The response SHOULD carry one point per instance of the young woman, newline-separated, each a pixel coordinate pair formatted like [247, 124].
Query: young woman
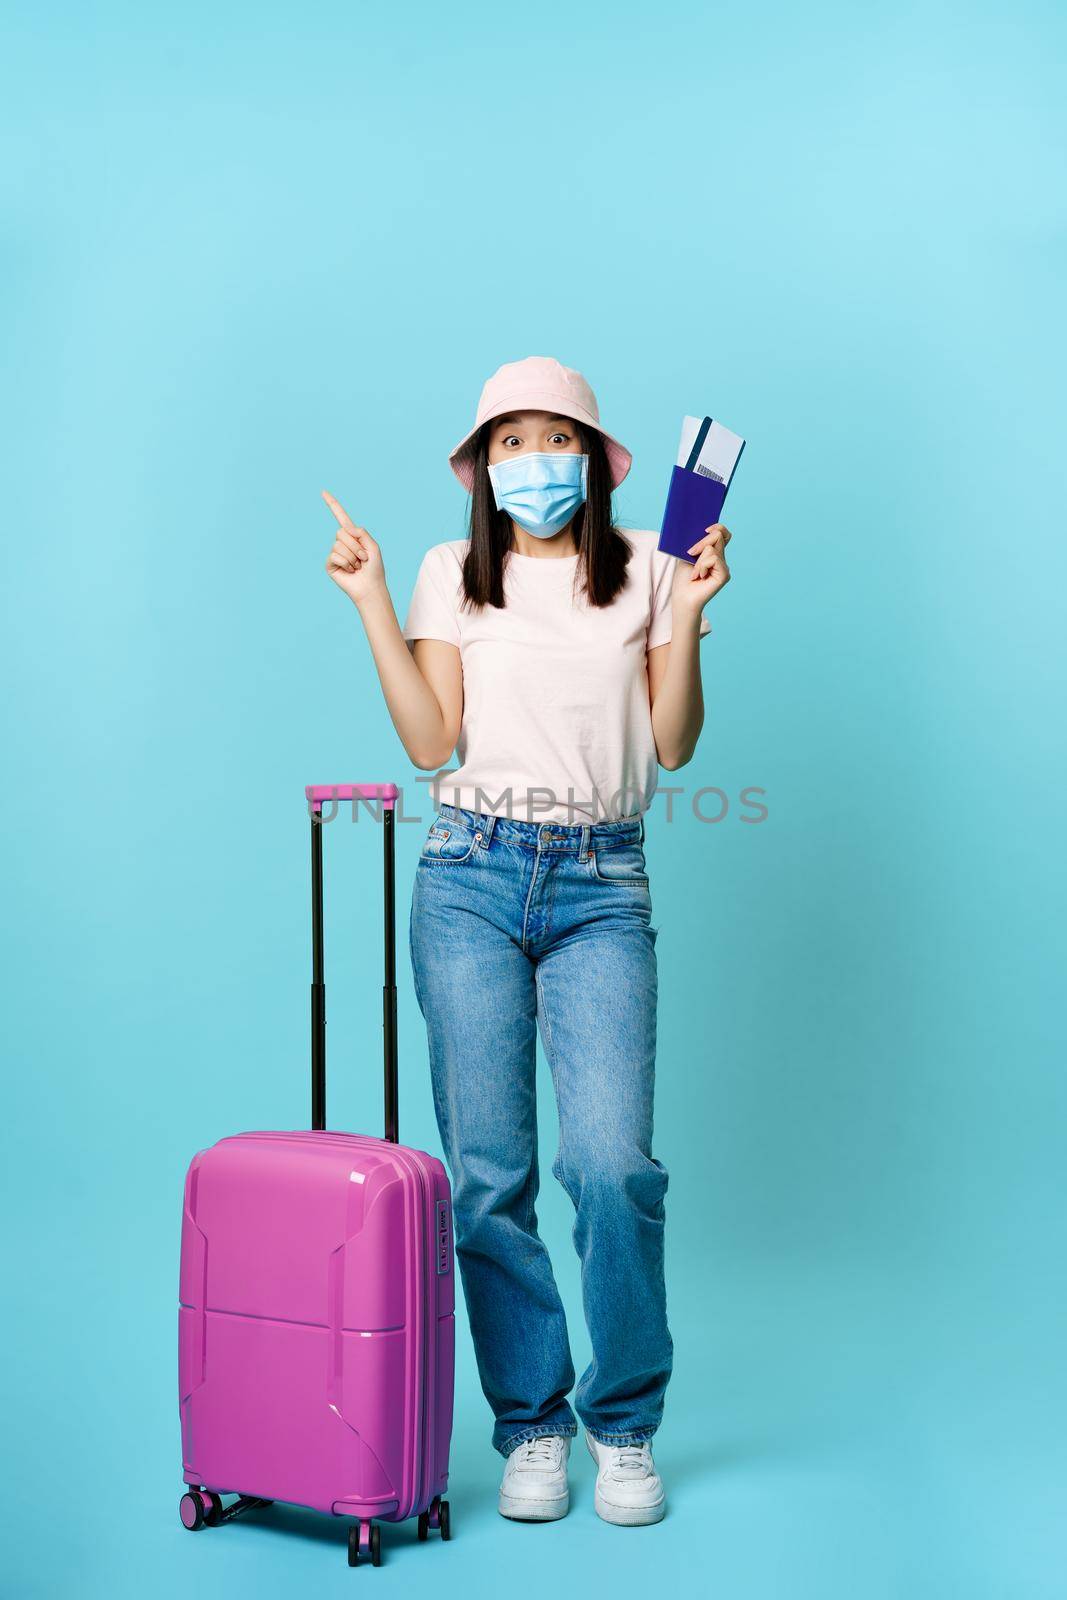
[558, 655]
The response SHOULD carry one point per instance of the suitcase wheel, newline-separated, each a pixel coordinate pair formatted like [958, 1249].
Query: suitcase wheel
[436, 1517]
[192, 1510]
[212, 1507]
[203, 1508]
[365, 1539]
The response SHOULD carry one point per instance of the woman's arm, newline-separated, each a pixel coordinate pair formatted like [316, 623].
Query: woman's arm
[675, 690]
[424, 690]
[676, 695]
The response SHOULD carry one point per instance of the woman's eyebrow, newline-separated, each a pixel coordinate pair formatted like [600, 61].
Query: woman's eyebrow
[499, 421]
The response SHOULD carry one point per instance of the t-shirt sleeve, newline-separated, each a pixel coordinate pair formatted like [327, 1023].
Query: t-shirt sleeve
[660, 618]
[432, 613]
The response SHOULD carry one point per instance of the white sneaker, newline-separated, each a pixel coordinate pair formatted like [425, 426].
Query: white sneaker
[628, 1487]
[534, 1486]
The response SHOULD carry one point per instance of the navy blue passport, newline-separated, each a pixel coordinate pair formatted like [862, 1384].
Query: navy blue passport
[707, 457]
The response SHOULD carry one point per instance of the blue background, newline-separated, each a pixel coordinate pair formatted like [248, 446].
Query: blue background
[249, 252]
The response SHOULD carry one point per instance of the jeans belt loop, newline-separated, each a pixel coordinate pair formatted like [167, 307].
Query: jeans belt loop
[583, 849]
[487, 823]
[642, 838]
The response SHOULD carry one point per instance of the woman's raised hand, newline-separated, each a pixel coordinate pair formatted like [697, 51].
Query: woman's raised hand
[695, 585]
[355, 563]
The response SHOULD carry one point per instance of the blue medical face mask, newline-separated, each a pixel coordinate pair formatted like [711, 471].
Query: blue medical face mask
[541, 489]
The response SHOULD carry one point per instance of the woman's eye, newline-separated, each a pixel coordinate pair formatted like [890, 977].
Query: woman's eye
[512, 437]
[562, 437]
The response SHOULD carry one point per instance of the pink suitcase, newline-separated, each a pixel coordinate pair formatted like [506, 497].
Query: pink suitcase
[316, 1326]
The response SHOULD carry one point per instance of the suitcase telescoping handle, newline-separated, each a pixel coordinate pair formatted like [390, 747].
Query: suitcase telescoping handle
[319, 795]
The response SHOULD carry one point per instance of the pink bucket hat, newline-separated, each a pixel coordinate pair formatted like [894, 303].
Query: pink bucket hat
[538, 383]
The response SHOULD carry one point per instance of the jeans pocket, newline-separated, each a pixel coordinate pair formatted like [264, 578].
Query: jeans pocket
[622, 865]
[449, 841]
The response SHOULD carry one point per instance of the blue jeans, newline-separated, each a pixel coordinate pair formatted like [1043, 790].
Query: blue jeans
[517, 926]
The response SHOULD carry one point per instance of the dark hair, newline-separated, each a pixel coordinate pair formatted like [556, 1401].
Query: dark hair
[603, 551]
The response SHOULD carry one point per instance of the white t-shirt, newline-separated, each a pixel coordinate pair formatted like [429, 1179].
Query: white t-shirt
[556, 719]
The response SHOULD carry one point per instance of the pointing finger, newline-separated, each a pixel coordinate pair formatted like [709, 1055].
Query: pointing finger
[338, 509]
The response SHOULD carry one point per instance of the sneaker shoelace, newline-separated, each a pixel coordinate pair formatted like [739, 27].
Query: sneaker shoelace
[632, 1459]
[539, 1452]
